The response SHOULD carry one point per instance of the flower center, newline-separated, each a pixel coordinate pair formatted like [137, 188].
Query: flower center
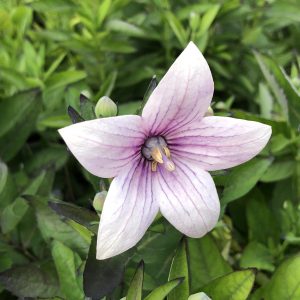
[155, 150]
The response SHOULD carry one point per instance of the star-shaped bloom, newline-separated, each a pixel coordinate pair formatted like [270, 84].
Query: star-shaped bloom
[160, 160]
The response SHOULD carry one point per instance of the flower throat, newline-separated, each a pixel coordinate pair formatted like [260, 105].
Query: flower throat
[155, 150]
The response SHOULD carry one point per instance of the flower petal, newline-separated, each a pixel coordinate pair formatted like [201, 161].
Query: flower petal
[217, 143]
[128, 211]
[187, 198]
[183, 94]
[105, 146]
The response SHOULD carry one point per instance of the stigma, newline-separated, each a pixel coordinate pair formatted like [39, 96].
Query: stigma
[156, 150]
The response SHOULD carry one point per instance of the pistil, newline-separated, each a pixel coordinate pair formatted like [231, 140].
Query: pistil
[155, 149]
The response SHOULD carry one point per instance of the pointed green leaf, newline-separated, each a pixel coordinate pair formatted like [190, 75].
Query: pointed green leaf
[62, 79]
[274, 85]
[136, 286]
[208, 18]
[74, 115]
[78, 214]
[162, 291]
[101, 277]
[284, 91]
[8, 189]
[262, 225]
[205, 262]
[279, 170]
[234, 286]
[177, 28]
[3, 176]
[52, 227]
[157, 251]
[257, 255]
[243, 178]
[13, 214]
[103, 11]
[18, 115]
[30, 281]
[179, 268]
[64, 260]
[87, 108]
[285, 283]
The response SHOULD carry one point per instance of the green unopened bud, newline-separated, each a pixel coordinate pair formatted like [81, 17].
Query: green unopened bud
[209, 112]
[105, 107]
[98, 201]
[199, 296]
[194, 21]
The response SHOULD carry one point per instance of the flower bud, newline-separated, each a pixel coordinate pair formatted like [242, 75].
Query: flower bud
[199, 296]
[98, 201]
[209, 112]
[105, 107]
[194, 21]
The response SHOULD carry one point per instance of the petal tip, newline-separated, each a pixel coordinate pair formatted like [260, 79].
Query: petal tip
[267, 132]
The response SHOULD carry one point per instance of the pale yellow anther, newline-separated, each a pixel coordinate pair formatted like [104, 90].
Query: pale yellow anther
[162, 155]
[167, 152]
[169, 165]
[153, 166]
[156, 155]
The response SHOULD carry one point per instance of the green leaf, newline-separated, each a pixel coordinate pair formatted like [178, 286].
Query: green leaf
[54, 156]
[13, 110]
[22, 17]
[177, 28]
[262, 225]
[284, 91]
[41, 184]
[179, 268]
[278, 171]
[103, 11]
[136, 286]
[243, 178]
[234, 286]
[101, 277]
[54, 65]
[87, 108]
[54, 121]
[3, 176]
[53, 5]
[62, 79]
[52, 227]
[280, 143]
[78, 214]
[208, 18]
[74, 115]
[127, 29]
[108, 85]
[13, 214]
[8, 189]
[285, 283]
[162, 291]
[275, 87]
[257, 255]
[17, 119]
[29, 281]
[205, 262]
[157, 251]
[129, 108]
[64, 260]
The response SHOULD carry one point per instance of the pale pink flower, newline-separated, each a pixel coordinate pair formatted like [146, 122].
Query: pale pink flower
[160, 160]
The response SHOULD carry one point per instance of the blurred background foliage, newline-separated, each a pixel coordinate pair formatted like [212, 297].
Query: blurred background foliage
[51, 52]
